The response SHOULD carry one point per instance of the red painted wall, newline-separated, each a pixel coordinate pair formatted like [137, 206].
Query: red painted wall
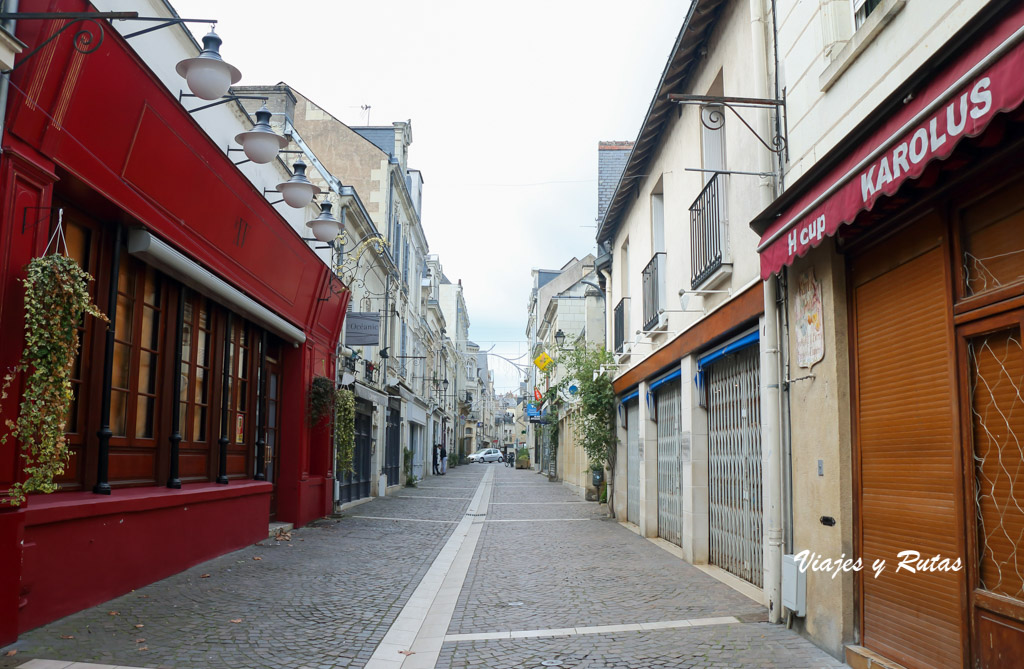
[128, 540]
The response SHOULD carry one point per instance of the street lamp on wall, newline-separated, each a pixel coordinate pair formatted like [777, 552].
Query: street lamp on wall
[559, 338]
[325, 227]
[261, 144]
[298, 191]
[208, 76]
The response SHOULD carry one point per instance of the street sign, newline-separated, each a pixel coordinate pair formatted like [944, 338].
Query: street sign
[532, 410]
[542, 361]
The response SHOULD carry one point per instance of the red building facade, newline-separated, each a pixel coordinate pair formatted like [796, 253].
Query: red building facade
[220, 318]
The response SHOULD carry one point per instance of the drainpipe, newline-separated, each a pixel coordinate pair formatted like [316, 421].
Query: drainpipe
[11, 8]
[771, 451]
[771, 439]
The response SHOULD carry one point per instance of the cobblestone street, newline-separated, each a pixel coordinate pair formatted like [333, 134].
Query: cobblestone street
[508, 569]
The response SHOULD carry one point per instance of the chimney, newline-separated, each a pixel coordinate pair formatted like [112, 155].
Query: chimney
[611, 161]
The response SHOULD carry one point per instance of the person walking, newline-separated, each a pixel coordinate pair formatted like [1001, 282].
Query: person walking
[444, 460]
[436, 454]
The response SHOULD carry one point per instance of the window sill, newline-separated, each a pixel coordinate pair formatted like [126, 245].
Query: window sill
[866, 34]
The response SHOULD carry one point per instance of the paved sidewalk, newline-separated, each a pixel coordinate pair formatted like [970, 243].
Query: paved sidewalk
[525, 577]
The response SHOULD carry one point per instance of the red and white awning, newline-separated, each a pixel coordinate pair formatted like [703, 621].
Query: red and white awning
[960, 101]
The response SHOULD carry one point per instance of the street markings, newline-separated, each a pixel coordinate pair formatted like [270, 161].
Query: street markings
[409, 520]
[594, 629]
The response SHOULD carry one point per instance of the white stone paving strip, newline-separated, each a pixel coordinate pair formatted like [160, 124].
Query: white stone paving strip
[540, 520]
[535, 503]
[595, 629]
[409, 520]
[427, 497]
[420, 627]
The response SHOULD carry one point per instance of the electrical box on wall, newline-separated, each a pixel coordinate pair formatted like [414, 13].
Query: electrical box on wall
[794, 586]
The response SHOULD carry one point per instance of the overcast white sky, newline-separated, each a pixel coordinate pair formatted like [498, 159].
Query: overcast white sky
[507, 101]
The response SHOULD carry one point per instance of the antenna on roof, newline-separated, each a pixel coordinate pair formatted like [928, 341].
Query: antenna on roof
[366, 108]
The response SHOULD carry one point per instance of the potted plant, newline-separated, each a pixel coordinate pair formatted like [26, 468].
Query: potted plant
[596, 474]
[523, 459]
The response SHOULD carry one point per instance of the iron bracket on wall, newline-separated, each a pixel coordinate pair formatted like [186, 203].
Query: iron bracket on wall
[715, 119]
[90, 34]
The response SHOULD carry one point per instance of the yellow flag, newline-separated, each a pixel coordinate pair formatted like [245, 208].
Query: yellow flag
[542, 361]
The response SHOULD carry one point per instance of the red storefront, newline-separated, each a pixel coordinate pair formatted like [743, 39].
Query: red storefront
[183, 249]
[924, 205]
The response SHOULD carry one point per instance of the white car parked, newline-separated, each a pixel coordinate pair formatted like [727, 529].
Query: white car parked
[486, 455]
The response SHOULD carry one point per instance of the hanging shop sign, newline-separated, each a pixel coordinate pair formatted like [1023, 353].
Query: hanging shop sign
[362, 328]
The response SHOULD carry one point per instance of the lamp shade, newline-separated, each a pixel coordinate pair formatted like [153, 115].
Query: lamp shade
[207, 75]
[325, 227]
[261, 144]
[298, 191]
[559, 337]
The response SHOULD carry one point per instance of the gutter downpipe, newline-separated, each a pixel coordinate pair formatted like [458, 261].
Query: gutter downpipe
[12, 8]
[770, 396]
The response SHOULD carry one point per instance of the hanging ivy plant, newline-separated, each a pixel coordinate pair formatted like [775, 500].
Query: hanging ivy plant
[56, 299]
[321, 399]
[344, 431]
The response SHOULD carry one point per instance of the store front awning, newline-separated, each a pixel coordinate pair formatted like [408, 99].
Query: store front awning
[959, 102]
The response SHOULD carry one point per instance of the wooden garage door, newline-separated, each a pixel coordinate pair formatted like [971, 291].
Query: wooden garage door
[907, 462]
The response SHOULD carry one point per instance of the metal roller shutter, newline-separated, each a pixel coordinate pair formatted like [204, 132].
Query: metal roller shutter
[734, 465]
[633, 462]
[905, 440]
[670, 522]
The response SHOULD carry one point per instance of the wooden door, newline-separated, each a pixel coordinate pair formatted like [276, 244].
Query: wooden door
[907, 469]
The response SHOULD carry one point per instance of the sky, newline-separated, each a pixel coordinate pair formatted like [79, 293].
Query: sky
[508, 101]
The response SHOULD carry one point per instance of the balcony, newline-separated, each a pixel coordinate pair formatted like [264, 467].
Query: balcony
[654, 290]
[369, 371]
[707, 218]
[620, 324]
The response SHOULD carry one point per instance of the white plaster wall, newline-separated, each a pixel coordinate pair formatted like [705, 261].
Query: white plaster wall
[811, 39]
[680, 148]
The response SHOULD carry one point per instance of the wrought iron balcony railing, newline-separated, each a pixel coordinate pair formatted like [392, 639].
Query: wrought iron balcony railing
[707, 216]
[654, 289]
[620, 324]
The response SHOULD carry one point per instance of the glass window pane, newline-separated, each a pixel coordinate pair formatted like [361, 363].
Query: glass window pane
[118, 412]
[78, 244]
[243, 396]
[203, 349]
[199, 424]
[186, 342]
[150, 328]
[144, 418]
[147, 372]
[122, 358]
[125, 324]
[152, 287]
[183, 420]
[200, 385]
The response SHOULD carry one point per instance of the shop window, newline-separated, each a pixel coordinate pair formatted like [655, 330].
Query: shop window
[992, 239]
[136, 377]
[241, 397]
[194, 394]
[137, 337]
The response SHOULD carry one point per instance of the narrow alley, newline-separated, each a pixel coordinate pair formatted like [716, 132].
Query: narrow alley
[485, 567]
